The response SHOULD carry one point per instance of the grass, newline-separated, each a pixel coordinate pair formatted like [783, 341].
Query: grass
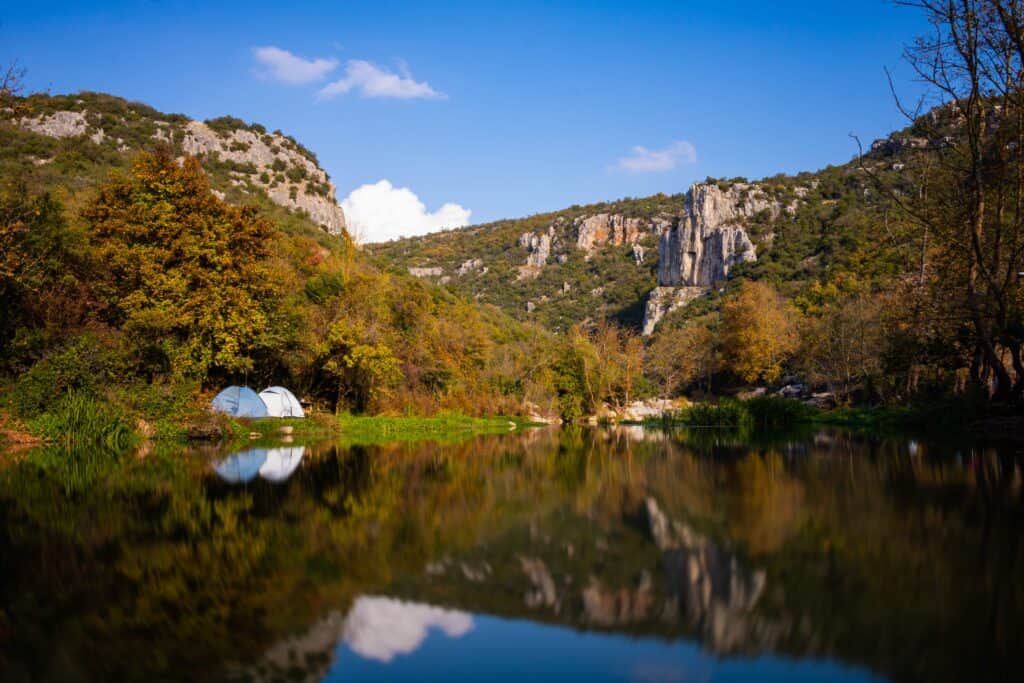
[444, 427]
[80, 419]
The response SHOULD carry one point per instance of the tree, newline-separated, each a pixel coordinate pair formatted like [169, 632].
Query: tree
[845, 345]
[681, 357]
[42, 265]
[758, 333]
[185, 275]
[970, 220]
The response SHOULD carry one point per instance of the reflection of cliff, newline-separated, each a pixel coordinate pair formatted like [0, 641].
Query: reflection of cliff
[648, 574]
[716, 595]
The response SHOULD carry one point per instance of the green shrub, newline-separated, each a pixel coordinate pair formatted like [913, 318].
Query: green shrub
[727, 413]
[82, 419]
[773, 412]
[87, 362]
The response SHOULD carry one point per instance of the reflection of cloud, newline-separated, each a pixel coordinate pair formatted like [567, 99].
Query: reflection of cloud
[381, 628]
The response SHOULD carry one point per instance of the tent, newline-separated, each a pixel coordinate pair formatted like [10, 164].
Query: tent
[241, 467]
[281, 463]
[281, 402]
[240, 402]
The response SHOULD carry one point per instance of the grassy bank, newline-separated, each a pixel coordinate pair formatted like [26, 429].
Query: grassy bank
[779, 413]
[444, 427]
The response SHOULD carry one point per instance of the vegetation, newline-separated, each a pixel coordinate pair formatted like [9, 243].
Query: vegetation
[889, 280]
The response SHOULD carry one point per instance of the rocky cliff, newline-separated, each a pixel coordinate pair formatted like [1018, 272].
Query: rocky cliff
[246, 156]
[709, 239]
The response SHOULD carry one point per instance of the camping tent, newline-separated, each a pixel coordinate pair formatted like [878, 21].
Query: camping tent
[241, 467]
[281, 402]
[281, 463]
[240, 402]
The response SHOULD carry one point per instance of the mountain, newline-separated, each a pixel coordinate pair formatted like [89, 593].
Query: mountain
[68, 134]
[636, 260]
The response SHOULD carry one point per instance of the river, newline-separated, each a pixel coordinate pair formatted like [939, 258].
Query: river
[566, 554]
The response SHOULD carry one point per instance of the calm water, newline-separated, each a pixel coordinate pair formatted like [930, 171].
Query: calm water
[556, 555]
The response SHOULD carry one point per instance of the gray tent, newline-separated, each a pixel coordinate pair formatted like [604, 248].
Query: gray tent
[240, 402]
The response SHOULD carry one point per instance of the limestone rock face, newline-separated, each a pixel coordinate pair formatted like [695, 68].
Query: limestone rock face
[433, 271]
[709, 239]
[664, 300]
[61, 124]
[272, 162]
[538, 246]
[707, 242]
[614, 229]
[262, 151]
[471, 266]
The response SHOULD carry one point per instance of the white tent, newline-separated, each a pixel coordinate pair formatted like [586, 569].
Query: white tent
[281, 402]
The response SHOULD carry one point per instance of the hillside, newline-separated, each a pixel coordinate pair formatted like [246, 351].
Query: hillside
[634, 260]
[54, 139]
[147, 260]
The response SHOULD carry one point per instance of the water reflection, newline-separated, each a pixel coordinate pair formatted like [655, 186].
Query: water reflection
[562, 554]
[273, 464]
[381, 628]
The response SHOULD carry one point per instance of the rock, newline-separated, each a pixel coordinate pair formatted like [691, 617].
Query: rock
[638, 254]
[603, 228]
[60, 124]
[538, 246]
[709, 239]
[793, 391]
[530, 307]
[204, 431]
[823, 400]
[638, 411]
[433, 271]
[313, 193]
[664, 300]
[707, 242]
[263, 151]
[471, 266]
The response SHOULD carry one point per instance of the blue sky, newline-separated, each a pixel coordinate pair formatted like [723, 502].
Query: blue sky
[505, 109]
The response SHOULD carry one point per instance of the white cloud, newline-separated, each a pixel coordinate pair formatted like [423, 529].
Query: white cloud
[371, 80]
[381, 212]
[643, 160]
[381, 628]
[281, 65]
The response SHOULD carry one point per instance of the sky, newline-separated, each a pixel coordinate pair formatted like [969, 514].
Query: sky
[437, 114]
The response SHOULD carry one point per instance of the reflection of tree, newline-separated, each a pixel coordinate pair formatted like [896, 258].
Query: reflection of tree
[865, 552]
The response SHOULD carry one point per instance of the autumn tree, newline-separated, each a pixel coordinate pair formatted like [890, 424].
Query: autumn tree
[42, 265]
[844, 345]
[186, 276]
[680, 357]
[758, 332]
[969, 212]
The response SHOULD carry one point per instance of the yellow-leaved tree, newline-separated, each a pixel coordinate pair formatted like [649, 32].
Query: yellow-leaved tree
[759, 332]
[186, 276]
